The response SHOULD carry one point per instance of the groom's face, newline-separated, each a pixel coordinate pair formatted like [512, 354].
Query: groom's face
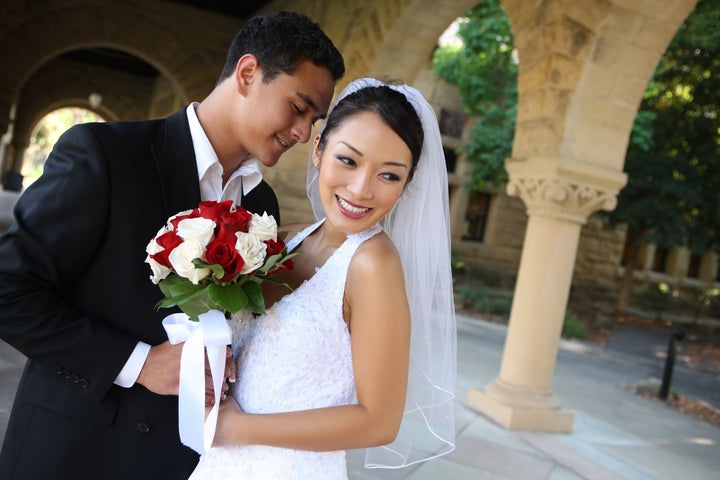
[285, 109]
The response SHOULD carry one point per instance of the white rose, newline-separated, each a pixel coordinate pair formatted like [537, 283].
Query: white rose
[196, 230]
[264, 227]
[159, 272]
[252, 251]
[179, 214]
[181, 260]
[153, 247]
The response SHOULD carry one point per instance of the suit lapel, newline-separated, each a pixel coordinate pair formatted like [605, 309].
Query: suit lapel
[175, 160]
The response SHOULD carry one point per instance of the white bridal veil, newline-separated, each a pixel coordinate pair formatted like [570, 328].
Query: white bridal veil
[420, 228]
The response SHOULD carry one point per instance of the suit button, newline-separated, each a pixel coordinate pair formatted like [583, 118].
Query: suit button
[83, 383]
[143, 427]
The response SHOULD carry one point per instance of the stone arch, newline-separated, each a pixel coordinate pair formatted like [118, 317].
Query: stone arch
[407, 48]
[103, 26]
[583, 70]
[24, 137]
[38, 97]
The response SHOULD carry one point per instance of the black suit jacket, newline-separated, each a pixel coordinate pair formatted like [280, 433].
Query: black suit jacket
[75, 298]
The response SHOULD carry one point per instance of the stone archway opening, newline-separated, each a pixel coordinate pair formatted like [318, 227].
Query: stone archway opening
[44, 135]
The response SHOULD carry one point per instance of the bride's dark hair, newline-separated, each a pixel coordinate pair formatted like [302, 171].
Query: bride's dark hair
[392, 106]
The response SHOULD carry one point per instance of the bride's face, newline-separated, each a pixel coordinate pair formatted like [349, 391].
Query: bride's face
[363, 171]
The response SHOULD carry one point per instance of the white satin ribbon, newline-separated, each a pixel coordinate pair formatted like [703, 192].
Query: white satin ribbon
[211, 333]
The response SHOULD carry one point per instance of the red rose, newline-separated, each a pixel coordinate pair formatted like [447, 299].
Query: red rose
[213, 210]
[168, 240]
[273, 247]
[221, 251]
[232, 222]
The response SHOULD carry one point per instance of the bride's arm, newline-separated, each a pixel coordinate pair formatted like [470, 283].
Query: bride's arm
[380, 325]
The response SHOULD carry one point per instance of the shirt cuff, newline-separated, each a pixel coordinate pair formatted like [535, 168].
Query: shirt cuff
[130, 372]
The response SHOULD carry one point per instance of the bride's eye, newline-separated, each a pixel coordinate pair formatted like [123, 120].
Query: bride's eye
[346, 160]
[391, 177]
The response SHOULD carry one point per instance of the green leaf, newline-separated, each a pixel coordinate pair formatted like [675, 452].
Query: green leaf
[256, 302]
[198, 305]
[275, 260]
[229, 296]
[177, 291]
[217, 270]
[166, 285]
[274, 282]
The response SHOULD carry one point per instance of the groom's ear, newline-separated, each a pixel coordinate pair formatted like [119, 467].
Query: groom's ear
[247, 70]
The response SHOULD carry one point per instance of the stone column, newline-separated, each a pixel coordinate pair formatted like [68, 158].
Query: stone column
[560, 196]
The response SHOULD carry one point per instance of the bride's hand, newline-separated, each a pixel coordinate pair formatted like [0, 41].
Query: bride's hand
[229, 377]
[228, 425]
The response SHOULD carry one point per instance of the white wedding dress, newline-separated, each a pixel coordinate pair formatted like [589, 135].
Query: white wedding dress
[295, 357]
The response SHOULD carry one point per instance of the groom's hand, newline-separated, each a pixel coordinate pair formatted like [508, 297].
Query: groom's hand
[161, 372]
[229, 378]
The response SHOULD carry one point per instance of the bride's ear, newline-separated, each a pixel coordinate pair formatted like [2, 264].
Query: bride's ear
[316, 152]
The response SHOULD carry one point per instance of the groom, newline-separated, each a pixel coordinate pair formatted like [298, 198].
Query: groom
[97, 398]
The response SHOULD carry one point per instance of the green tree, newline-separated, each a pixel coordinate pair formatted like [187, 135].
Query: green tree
[673, 158]
[484, 69]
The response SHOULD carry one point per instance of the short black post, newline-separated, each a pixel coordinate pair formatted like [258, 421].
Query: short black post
[677, 333]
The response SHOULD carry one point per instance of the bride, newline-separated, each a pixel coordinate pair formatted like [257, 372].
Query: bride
[361, 354]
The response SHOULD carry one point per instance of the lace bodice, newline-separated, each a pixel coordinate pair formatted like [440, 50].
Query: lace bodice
[297, 356]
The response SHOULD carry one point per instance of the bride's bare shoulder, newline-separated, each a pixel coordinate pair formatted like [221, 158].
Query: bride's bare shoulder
[376, 256]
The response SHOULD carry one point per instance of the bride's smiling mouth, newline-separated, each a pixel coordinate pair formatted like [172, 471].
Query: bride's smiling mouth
[350, 210]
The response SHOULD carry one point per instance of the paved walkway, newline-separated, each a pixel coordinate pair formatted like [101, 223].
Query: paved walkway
[616, 435]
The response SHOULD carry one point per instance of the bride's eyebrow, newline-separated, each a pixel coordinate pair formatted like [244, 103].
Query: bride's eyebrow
[351, 148]
[396, 164]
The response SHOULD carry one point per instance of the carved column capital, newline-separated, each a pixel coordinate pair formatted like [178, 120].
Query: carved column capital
[565, 190]
[560, 197]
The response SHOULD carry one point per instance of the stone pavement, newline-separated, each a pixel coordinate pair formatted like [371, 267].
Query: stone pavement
[616, 435]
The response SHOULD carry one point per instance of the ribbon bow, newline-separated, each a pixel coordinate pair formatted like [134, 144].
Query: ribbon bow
[211, 333]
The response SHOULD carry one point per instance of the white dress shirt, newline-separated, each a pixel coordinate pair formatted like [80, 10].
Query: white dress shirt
[241, 181]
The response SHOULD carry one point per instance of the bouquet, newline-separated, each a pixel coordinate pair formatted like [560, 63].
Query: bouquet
[210, 262]
[214, 257]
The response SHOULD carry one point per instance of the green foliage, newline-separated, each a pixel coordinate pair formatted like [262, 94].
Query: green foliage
[656, 298]
[243, 292]
[573, 327]
[457, 263]
[475, 295]
[692, 302]
[484, 69]
[673, 159]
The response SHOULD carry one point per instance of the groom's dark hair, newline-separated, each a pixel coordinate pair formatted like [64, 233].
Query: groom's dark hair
[281, 41]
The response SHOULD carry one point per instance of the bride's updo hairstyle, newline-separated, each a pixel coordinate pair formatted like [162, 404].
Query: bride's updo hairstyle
[392, 107]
